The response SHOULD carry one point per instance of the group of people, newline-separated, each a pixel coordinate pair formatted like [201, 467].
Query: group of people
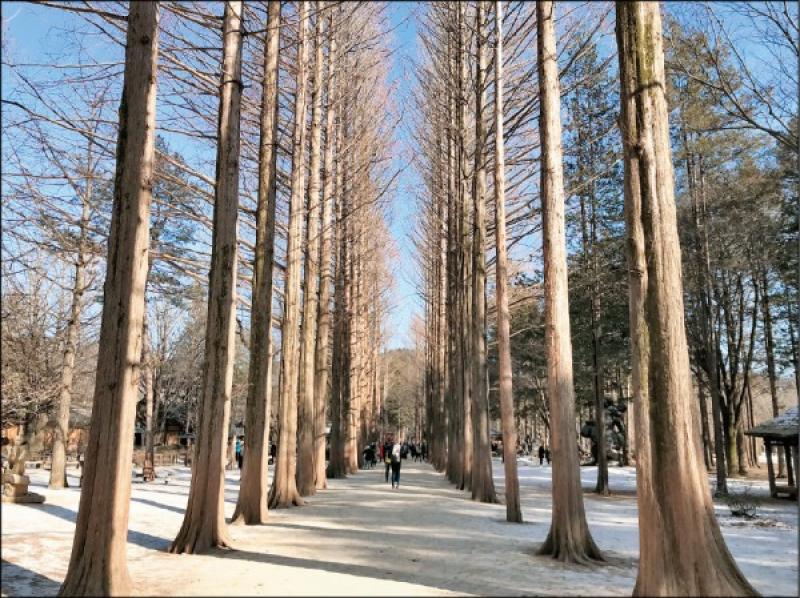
[393, 452]
[544, 453]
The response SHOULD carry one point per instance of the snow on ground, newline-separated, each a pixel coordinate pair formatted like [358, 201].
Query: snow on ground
[362, 537]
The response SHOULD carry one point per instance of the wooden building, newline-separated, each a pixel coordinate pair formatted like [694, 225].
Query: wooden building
[781, 431]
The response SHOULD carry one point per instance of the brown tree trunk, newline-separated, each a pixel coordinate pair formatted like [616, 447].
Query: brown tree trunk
[769, 345]
[682, 549]
[336, 465]
[701, 395]
[251, 506]
[98, 565]
[482, 482]
[569, 538]
[465, 262]
[204, 523]
[324, 316]
[306, 406]
[284, 487]
[509, 430]
[58, 466]
[148, 467]
[703, 265]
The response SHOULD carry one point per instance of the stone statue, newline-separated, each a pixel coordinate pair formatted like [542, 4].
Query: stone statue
[15, 482]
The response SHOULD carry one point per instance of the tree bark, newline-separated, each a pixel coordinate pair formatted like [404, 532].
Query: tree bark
[204, 523]
[98, 564]
[464, 269]
[569, 539]
[148, 467]
[251, 506]
[306, 411]
[336, 465]
[482, 482]
[509, 430]
[682, 549]
[284, 487]
[324, 316]
[58, 466]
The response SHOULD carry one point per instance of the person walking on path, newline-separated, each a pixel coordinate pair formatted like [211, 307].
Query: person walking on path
[239, 451]
[387, 457]
[424, 451]
[541, 454]
[396, 461]
[547, 455]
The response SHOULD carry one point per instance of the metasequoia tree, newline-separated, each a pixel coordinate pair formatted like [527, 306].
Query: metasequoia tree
[513, 510]
[251, 507]
[482, 483]
[306, 418]
[452, 233]
[569, 538]
[58, 473]
[321, 357]
[98, 565]
[204, 524]
[284, 486]
[361, 241]
[681, 546]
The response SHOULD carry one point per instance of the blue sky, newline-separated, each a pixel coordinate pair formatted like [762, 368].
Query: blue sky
[403, 18]
[32, 37]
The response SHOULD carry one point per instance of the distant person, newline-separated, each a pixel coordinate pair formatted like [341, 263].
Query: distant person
[541, 454]
[369, 456]
[387, 457]
[413, 448]
[547, 455]
[273, 450]
[424, 451]
[239, 451]
[396, 461]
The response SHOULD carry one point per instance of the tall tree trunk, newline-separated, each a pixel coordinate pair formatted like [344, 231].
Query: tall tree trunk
[336, 465]
[306, 411]
[204, 524]
[251, 506]
[58, 466]
[284, 486]
[513, 510]
[769, 346]
[482, 482]
[682, 549]
[324, 316]
[703, 264]
[454, 357]
[701, 395]
[148, 467]
[569, 538]
[98, 565]
[601, 487]
[465, 254]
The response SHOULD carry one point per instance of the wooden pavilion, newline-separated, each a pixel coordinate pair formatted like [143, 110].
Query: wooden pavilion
[780, 431]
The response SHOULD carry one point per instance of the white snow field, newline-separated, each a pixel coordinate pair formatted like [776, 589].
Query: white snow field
[360, 537]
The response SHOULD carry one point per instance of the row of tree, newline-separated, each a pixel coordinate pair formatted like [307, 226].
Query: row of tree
[317, 160]
[627, 326]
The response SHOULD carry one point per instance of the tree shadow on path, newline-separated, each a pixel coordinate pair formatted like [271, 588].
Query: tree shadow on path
[142, 539]
[443, 582]
[16, 579]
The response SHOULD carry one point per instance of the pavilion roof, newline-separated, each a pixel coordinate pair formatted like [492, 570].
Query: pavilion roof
[784, 427]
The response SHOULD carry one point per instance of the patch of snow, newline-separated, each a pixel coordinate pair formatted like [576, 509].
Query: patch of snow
[360, 537]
